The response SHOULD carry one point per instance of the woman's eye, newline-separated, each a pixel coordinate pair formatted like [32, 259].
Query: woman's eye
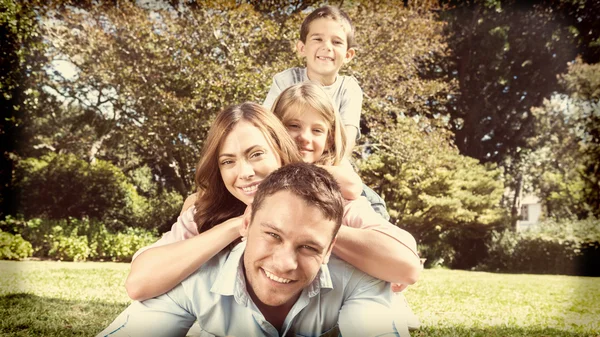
[318, 131]
[293, 126]
[226, 162]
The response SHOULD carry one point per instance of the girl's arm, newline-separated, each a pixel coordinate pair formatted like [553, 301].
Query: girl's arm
[349, 181]
[375, 246]
[160, 267]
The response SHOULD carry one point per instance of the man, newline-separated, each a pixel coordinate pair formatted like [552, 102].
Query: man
[277, 282]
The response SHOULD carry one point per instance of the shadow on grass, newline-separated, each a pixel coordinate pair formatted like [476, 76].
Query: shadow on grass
[492, 332]
[30, 315]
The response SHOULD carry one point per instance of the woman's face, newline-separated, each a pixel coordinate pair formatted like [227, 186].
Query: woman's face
[245, 159]
[310, 132]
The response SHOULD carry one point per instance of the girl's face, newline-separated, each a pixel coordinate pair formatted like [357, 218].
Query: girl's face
[245, 159]
[310, 132]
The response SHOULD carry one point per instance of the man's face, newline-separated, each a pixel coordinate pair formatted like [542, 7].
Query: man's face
[287, 242]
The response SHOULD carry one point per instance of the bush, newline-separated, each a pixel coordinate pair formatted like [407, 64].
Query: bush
[99, 190]
[80, 239]
[14, 247]
[124, 245]
[566, 247]
[71, 247]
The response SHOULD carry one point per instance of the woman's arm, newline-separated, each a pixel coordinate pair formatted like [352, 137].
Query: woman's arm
[173, 258]
[375, 246]
[349, 181]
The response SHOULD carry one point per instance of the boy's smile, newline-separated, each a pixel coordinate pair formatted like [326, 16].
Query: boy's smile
[326, 50]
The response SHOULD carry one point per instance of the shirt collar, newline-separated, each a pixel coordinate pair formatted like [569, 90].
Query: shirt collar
[231, 281]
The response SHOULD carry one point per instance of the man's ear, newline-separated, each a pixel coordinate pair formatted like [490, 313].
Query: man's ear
[328, 254]
[349, 55]
[246, 221]
[300, 48]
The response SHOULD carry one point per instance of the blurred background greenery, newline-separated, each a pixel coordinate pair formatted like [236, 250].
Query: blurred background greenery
[468, 106]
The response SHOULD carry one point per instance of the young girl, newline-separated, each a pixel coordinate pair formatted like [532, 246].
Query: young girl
[314, 123]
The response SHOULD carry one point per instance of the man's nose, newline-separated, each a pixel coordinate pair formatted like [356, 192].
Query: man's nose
[285, 259]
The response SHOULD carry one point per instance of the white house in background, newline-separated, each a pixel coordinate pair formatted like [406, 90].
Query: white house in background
[531, 209]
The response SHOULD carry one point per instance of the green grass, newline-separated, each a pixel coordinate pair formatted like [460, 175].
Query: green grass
[80, 299]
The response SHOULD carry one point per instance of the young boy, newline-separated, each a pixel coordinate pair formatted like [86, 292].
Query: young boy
[327, 43]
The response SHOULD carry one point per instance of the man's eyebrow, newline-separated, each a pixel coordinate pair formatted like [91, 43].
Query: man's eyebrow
[271, 226]
[248, 150]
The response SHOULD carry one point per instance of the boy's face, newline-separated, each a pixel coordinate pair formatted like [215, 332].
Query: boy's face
[326, 50]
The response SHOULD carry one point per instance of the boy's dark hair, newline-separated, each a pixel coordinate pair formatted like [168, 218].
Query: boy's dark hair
[330, 12]
[313, 184]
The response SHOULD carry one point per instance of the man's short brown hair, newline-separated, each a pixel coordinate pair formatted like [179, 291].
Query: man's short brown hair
[313, 184]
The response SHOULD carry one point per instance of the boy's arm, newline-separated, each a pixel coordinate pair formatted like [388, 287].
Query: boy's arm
[351, 136]
[350, 110]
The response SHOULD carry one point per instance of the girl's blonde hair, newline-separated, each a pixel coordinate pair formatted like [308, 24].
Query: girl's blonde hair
[310, 95]
[215, 203]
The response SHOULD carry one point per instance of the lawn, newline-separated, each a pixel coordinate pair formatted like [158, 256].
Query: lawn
[80, 299]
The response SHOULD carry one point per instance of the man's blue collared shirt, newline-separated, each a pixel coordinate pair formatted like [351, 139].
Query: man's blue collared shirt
[216, 296]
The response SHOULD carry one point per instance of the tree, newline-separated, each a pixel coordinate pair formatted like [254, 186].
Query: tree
[505, 58]
[21, 60]
[149, 82]
[564, 166]
[58, 186]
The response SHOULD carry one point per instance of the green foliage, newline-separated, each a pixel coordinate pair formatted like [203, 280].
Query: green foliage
[14, 247]
[74, 188]
[563, 166]
[505, 56]
[71, 247]
[60, 186]
[428, 186]
[398, 52]
[124, 244]
[565, 247]
[80, 239]
[21, 60]
[150, 81]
